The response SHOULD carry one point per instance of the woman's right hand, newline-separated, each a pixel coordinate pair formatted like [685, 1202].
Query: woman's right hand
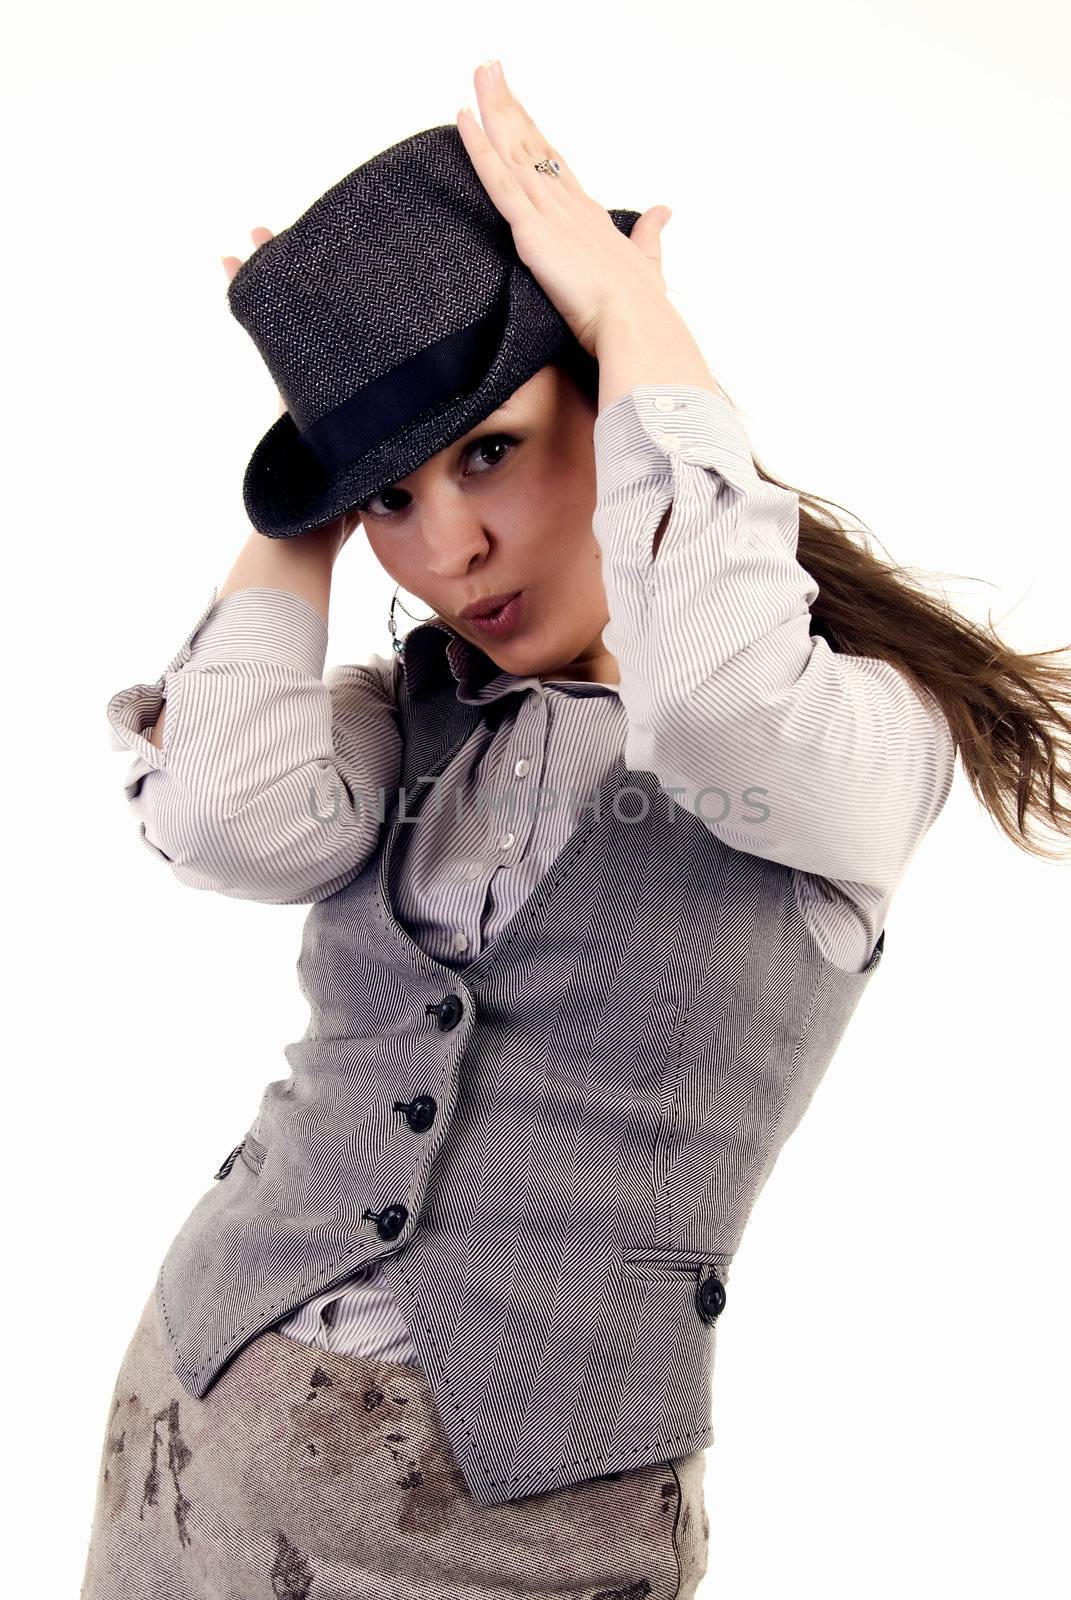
[336, 532]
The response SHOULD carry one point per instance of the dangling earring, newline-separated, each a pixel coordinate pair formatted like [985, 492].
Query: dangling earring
[399, 644]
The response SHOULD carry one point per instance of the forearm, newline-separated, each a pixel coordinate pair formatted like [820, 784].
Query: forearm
[303, 565]
[787, 750]
[271, 777]
[648, 344]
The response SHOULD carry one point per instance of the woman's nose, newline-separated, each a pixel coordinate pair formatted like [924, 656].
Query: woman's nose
[453, 542]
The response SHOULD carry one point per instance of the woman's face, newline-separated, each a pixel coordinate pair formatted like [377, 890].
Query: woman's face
[507, 507]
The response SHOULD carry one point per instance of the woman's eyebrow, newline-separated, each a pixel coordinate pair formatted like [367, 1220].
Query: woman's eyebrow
[509, 411]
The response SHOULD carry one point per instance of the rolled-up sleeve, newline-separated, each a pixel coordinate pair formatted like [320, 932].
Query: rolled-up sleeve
[830, 763]
[272, 780]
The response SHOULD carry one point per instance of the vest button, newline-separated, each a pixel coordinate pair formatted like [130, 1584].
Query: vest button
[710, 1298]
[391, 1222]
[420, 1113]
[448, 1011]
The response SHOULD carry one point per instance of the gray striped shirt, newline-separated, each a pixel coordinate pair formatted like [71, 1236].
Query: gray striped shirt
[274, 778]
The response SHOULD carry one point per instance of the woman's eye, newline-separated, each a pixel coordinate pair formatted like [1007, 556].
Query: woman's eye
[486, 451]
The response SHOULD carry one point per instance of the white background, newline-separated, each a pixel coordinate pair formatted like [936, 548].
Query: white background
[867, 242]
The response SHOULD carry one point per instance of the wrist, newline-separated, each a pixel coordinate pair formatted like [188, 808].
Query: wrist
[302, 564]
[647, 343]
[323, 543]
[623, 317]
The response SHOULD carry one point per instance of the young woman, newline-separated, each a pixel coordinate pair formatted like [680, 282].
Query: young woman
[446, 1321]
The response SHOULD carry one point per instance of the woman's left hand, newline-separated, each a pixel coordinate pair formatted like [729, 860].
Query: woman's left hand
[581, 260]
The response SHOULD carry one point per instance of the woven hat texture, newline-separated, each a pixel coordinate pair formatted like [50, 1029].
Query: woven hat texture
[393, 315]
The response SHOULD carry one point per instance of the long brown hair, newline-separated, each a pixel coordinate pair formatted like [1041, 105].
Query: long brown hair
[1007, 710]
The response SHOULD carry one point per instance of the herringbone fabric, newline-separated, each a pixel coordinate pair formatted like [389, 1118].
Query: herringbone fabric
[612, 1079]
[267, 784]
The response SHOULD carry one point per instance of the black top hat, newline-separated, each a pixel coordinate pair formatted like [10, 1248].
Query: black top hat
[393, 315]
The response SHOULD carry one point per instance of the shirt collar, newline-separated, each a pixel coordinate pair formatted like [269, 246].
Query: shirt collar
[433, 648]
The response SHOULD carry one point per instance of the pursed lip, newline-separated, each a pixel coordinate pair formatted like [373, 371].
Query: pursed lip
[491, 602]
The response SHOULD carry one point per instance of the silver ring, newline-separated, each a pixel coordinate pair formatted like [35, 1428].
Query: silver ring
[548, 164]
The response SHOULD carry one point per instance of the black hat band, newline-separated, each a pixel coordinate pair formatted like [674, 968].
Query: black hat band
[447, 369]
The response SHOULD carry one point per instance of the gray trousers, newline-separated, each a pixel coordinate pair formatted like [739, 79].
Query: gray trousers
[308, 1475]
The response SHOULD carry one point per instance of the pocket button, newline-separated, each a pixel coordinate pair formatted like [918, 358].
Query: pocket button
[710, 1298]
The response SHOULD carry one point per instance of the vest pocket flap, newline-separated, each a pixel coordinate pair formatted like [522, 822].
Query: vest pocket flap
[673, 1260]
[707, 1272]
[252, 1153]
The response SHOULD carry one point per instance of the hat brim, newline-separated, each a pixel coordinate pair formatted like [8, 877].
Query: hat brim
[287, 490]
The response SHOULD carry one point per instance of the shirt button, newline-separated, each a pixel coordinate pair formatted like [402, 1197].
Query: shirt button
[506, 840]
[664, 403]
[521, 767]
[461, 941]
[670, 444]
[473, 870]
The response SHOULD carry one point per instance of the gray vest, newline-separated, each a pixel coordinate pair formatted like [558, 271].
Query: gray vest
[553, 1148]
